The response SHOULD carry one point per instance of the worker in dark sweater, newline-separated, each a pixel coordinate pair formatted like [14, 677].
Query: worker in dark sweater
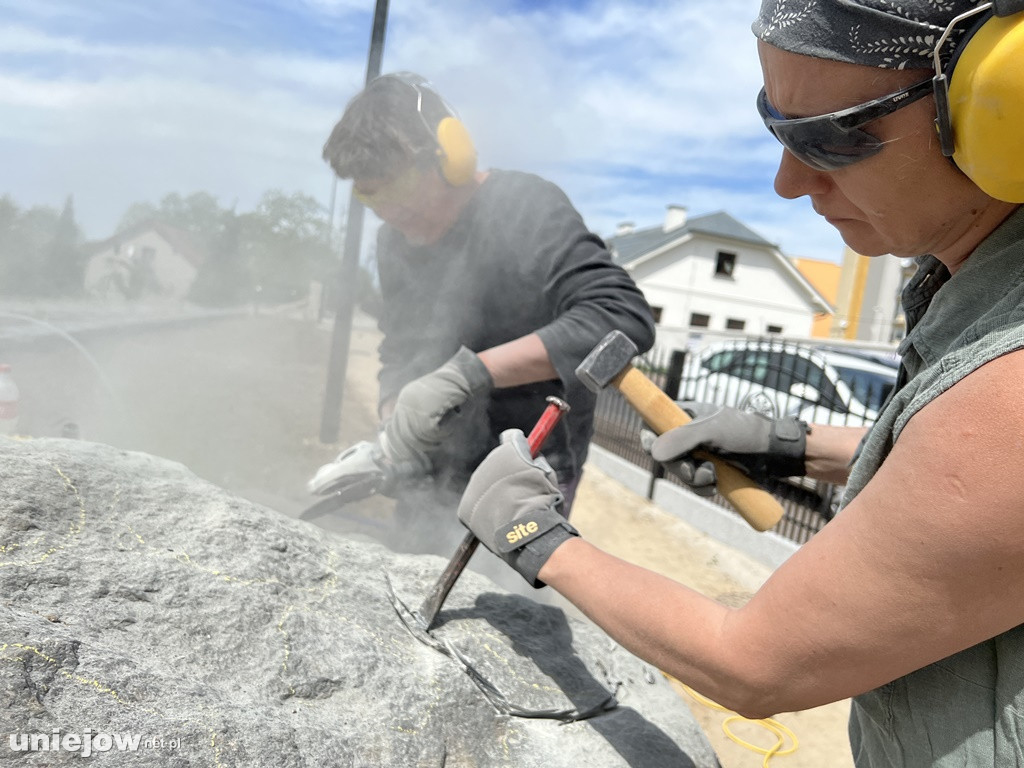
[493, 289]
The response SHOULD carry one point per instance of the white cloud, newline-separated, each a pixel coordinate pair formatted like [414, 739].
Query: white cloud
[628, 105]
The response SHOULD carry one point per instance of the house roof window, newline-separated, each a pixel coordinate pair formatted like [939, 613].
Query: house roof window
[725, 264]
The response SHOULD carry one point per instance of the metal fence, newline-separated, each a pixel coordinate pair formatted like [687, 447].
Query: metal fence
[774, 376]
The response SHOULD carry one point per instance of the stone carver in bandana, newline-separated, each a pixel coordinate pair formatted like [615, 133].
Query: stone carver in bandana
[875, 33]
[911, 601]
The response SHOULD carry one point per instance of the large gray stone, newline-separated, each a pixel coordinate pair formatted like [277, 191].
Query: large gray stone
[139, 600]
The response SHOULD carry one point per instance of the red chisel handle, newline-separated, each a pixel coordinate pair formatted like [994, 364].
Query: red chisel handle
[546, 424]
[432, 605]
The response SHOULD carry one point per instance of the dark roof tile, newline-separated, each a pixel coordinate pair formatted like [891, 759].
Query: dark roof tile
[631, 246]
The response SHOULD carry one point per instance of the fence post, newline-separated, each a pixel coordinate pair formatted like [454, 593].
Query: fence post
[673, 380]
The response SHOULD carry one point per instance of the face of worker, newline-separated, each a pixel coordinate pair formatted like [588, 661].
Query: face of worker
[414, 202]
[906, 200]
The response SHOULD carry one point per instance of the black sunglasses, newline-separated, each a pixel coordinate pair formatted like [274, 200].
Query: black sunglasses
[835, 140]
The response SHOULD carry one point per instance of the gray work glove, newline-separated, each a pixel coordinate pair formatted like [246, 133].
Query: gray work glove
[424, 407]
[761, 447]
[512, 504]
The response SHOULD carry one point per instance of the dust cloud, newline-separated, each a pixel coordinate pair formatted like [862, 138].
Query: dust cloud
[237, 398]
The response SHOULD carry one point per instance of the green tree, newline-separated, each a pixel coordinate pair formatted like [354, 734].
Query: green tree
[27, 244]
[9, 246]
[64, 265]
[223, 278]
[285, 241]
[199, 213]
[268, 255]
[136, 215]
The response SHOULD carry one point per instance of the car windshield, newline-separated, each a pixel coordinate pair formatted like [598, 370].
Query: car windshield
[868, 387]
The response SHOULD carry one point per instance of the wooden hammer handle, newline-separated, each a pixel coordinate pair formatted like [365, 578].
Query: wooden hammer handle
[756, 505]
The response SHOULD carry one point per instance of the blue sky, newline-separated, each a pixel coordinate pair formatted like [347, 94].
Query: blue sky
[628, 105]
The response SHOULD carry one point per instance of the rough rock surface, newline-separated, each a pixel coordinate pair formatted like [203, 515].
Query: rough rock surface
[138, 600]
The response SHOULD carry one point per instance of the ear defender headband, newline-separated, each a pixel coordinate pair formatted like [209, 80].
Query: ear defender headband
[455, 151]
[980, 99]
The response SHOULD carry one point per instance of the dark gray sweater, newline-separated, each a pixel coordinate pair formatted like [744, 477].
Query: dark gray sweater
[518, 260]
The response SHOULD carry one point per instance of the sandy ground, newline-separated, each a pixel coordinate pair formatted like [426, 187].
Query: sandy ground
[633, 528]
[239, 401]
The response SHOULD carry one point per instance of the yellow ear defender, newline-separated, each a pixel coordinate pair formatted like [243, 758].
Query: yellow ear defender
[456, 155]
[456, 152]
[980, 100]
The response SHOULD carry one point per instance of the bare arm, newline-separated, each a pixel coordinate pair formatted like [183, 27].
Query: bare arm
[909, 573]
[521, 361]
[830, 451]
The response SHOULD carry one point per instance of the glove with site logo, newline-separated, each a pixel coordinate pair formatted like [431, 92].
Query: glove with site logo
[424, 408]
[760, 446]
[513, 505]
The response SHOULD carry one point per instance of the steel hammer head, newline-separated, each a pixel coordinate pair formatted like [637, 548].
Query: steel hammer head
[606, 361]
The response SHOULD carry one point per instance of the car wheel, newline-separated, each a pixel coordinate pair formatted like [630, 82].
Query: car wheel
[758, 402]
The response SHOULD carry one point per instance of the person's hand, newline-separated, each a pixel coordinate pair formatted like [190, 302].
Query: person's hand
[423, 409]
[512, 504]
[761, 447]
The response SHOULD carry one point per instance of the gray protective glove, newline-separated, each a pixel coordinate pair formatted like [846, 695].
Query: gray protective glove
[418, 424]
[761, 447]
[512, 504]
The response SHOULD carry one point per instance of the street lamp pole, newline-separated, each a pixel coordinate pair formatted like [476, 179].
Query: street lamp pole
[348, 274]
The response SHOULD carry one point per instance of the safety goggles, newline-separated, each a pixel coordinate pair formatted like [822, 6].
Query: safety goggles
[832, 141]
[399, 190]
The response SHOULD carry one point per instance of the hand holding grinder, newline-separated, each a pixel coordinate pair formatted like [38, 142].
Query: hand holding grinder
[418, 426]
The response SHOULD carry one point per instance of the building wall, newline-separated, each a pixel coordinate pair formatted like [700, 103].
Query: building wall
[868, 306]
[880, 306]
[682, 281]
[172, 272]
[824, 276]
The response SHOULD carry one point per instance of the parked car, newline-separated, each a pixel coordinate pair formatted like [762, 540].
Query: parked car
[822, 385]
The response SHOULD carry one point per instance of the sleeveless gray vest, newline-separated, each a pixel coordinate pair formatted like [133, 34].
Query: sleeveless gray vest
[966, 710]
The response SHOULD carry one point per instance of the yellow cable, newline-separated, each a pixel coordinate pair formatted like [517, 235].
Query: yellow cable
[777, 729]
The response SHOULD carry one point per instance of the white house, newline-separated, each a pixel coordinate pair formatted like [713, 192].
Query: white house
[711, 275]
[152, 259]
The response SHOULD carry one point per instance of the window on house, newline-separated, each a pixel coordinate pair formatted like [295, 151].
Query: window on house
[699, 320]
[656, 311]
[774, 329]
[725, 263]
[733, 324]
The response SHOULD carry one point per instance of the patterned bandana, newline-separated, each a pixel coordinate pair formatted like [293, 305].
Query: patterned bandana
[893, 34]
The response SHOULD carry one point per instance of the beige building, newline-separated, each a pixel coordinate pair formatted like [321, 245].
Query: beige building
[865, 293]
[824, 276]
[151, 260]
[868, 304]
